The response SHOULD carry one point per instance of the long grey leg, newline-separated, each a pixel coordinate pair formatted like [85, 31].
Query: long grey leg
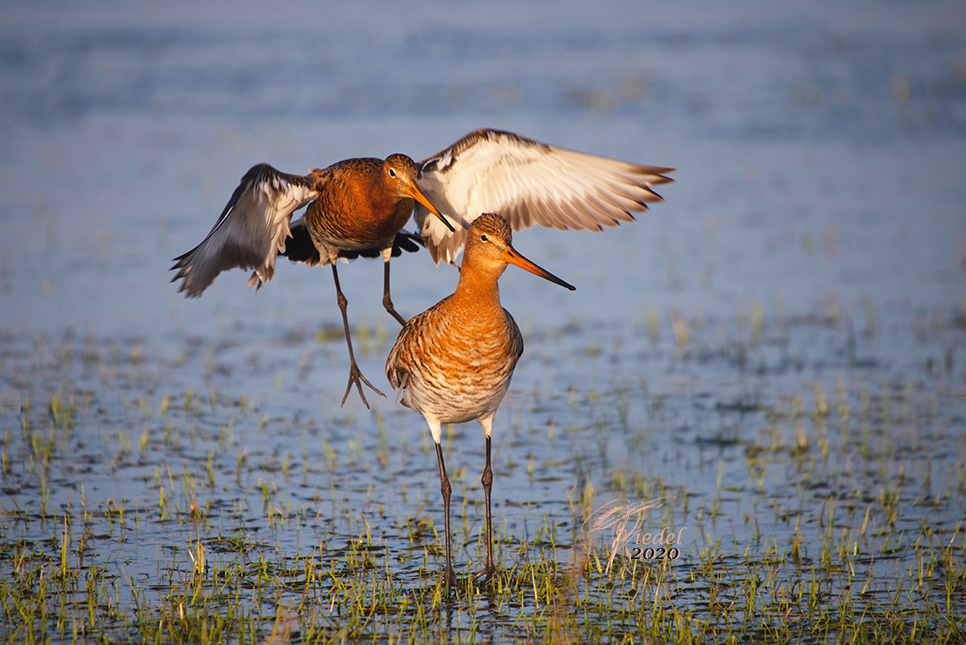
[355, 375]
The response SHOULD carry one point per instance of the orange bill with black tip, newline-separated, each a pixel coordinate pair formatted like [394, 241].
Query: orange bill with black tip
[513, 257]
[416, 194]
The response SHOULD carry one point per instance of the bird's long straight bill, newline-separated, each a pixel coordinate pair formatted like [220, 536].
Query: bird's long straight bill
[513, 257]
[421, 198]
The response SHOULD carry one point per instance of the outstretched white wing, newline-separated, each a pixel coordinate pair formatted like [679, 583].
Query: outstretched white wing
[251, 230]
[530, 184]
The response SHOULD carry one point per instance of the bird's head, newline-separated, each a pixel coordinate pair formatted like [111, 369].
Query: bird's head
[399, 174]
[488, 244]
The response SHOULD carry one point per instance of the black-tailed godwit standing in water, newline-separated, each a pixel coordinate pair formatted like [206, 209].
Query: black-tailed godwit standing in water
[453, 362]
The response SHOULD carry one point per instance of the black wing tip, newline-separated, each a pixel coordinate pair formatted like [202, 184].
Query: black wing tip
[656, 198]
[181, 260]
[656, 176]
[187, 288]
[615, 222]
[258, 170]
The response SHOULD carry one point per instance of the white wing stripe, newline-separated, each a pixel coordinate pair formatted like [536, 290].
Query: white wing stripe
[251, 230]
[529, 183]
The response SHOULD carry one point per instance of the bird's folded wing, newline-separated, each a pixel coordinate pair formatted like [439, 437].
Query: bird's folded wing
[251, 230]
[301, 248]
[404, 241]
[530, 184]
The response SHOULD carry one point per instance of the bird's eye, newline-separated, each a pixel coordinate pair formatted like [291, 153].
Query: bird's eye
[483, 238]
[392, 172]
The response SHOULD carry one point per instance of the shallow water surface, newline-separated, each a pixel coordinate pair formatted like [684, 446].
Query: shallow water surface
[776, 353]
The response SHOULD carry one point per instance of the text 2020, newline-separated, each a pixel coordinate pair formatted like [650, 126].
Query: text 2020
[650, 553]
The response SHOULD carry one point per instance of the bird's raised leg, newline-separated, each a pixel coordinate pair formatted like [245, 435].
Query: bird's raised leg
[447, 490]
[355, 375]
[489, 570]
[386, 299]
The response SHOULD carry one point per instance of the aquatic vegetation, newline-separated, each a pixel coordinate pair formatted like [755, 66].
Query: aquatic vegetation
[147, 500]
[770, 367]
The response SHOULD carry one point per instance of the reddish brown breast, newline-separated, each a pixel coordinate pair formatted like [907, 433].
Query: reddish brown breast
[356, 210]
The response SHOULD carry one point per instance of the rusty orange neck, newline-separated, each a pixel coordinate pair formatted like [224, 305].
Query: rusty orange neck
[388, 209]
[479, 287]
